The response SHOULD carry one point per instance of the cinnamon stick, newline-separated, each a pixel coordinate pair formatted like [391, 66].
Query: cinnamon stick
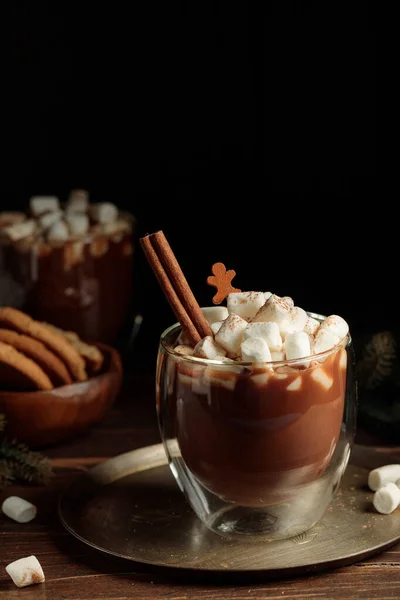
[179, 282]
[169, 291]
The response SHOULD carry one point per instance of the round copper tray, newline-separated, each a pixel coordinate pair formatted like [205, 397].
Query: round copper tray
[130, 506]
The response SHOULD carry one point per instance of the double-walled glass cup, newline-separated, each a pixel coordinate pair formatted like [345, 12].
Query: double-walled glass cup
[258, 450]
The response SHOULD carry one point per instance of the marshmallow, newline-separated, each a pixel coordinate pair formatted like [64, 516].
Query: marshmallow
[8, 218]
[295, 385]
[382, 476]
[325, 340]
[312, 325]
[184, 350]
[207, 348]
[261, 379]
[322, 378]
[245, 304]
[289, 300]
[267, 295]
[297, 345]
[216, 326]
[104, 212]
[274, 309]
[19, 231]
[268, 332]
[47, 219]
[18, 509]
[214, 313]
[226, 378]
[25, 571]
[255, 349]
[78, 201]
[42, 204]
[58, 232]
[278, 356]
[78, 223]
[230, 334]
[297, 320]
[387, 499]
[335, 324]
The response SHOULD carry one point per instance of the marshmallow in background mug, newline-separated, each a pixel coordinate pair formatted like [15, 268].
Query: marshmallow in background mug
[324, 340]
[58, 232]
[335, 324]
[383, 475]
[255, 349]
[267, 331]
[297, 345]
[312, 325]
[214, 313]
[104, 212]
[78, 223]
[26, 571]
[19, 231]
[208, 348]
[245, 304]
[78, 201]
[230, 334]
[46, 220]
[18, 509]
[41, 204]
[386, 499]
[274, 309]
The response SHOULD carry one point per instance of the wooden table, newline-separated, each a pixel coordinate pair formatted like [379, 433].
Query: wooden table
[76, 572]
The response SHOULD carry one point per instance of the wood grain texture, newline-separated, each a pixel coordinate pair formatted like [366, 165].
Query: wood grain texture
[75, 572]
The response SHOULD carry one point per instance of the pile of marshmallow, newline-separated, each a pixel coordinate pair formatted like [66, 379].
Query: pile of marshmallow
[49, 221]
[262, 327]
[385, 482]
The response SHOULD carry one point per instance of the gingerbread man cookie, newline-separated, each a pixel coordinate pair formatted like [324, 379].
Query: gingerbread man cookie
[222, 281]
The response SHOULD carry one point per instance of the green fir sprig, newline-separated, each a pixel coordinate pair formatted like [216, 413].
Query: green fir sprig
[19, 463]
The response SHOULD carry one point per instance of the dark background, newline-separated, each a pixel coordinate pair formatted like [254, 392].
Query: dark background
[244, 130]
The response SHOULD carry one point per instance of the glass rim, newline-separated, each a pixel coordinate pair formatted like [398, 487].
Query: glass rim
[343, 343]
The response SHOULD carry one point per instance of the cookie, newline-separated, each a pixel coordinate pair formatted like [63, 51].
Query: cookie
[11, 318]
[20, 373]
[92, 356]
[49, 362]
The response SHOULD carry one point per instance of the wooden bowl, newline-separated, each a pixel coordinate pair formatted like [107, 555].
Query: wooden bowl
[44, 418]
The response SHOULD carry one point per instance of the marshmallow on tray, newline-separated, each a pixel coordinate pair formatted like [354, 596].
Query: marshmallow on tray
[245, 304]
[297, 345]
[387, 498]
[268, 331]
[230, 334]
[208, 348]
[255, 349]
[214, 313]
[381, 476]
[18, 509]
[275, 309]
[26, 571]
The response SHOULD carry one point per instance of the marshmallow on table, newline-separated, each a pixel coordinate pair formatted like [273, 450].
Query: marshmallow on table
[230, 334]
[78, 223]
[297, 345]
[382, 476]
[335, 324]
[255, 349]
[58, 232]
[214, 313]
[18, 509]
[42, 204]
[274, 309]
[296, 322]
[104, 212]
[268, 331]
[215, 326]
[312, 325]
[19, 231]
[245, 304]
[26, 571]
[387, 499]
[208, 348]
[324, 340]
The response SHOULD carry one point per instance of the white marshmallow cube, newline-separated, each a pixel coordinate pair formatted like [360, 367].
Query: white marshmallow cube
[387, 499]
[312, 325]
[267, 295]
[296, 322]
[230, 334]
[25, 571]
[324, 340]
[19, 231]
[297, 345]
[215, 326]
[58, 232]
[78, 201]
[184, 350]
[255, 349]
[320, 377]
[18, 509]
[49, 218]
[289, 300]
[268, 331]
[275, 309]
[78, 223]
[214, 313]
[278, 356]
[335, 324]
[381, 476]
[41, 204]
[104, 212]
[208, 348]
[245, 304]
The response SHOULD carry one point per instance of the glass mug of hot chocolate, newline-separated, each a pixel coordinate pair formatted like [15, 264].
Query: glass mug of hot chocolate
[257, 417]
